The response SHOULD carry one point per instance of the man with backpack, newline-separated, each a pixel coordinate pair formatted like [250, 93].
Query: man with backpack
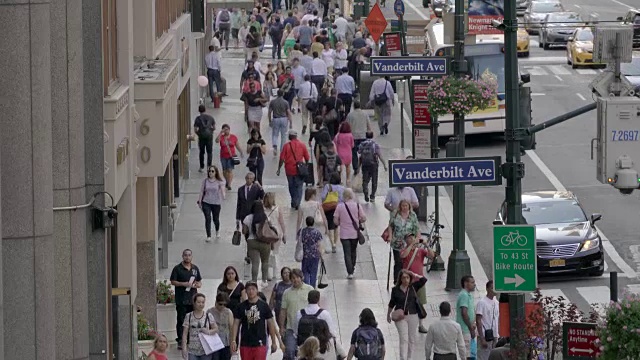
[309, 318]
[204, 126]
[294, 299]
[328, 163]
[370, 156]
[381, 97]
[223, 24]
[275, 32]
[359, 122]
[367, 341]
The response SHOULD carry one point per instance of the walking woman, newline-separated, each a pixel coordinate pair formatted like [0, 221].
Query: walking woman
[224, 320]
[196, 322]
[404, 310]
[310, 349]
[254, 101]
[332, 195]
[312, 207]
[288, 40]
[228, 148]
[256, 148]
[403, 221]
[257, 251]
[269, 84]
[275, 302]
[160, 345]
[344, 146]
[311, 240]
[330, 347]
[367, 341]
[277, 220]
[232, 286]
[212, 193]
[349, 216]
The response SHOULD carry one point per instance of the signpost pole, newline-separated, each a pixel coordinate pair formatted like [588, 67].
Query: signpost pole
[513, 169]
[438, 264]
[402, 121]
[459, 263]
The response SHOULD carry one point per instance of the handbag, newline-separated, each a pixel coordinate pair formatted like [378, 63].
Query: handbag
[488, 333]
[237, 237]
[312, 104]
[252, 161]
[398, 314]
[301, 167]
[356, 225]
[381, 99]
[323, 271]
[235, 158]
[299, 254]
[387, 234]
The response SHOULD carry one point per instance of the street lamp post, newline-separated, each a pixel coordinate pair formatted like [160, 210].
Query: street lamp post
[458, 263]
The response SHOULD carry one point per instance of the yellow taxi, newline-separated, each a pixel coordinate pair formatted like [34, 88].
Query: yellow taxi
[580, 48]
[523, 42]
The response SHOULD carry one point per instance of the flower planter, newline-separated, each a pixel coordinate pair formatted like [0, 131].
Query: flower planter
[144, 346]
[166, 323]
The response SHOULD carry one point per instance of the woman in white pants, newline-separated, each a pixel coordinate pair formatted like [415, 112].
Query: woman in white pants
[404, 309]
[277, 220]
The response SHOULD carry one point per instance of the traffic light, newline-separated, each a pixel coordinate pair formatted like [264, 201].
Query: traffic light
[528, 141]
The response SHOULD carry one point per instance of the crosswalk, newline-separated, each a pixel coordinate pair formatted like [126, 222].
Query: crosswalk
[557, 70]
[587, 297]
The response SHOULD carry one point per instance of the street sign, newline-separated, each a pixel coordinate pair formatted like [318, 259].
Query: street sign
[393, 43]
[375, 22]
[420, 90]
[395, 25]
[579, 341]
[514, 258]
[422, 143]
[408, 66]
[445, 171]
[421, 114]
[398, 7]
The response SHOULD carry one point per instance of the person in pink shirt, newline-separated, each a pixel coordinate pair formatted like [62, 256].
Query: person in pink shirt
[344, 145]
[347, 214]
[413, 256]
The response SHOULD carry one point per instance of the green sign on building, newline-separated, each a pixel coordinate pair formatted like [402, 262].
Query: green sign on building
[514, 258]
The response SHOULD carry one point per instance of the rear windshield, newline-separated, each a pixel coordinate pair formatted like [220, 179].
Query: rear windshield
[564, 17]
[584, 35]
[552, 212]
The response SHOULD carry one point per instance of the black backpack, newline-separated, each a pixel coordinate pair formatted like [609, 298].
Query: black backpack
[308, 325]
[224, 16]
[368, 344]
[330, 164]
[367, 154]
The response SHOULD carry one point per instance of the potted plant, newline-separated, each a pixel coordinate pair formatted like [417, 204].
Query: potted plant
[619, 330]
[461, 95]
[146, 336]
[166, 309]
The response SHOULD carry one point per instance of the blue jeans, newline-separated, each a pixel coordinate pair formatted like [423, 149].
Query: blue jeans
[277, 47]
[295, 190]
[310, 270]
[291, 345]
[279, 126]
[214, 77]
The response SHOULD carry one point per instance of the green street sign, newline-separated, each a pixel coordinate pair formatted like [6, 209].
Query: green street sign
[514, 258]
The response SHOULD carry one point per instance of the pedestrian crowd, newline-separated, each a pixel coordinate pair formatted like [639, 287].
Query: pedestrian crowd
[316, 82]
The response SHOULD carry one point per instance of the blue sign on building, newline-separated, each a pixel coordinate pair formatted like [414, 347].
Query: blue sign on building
[446, 171]
[398, 7]
[408, 66]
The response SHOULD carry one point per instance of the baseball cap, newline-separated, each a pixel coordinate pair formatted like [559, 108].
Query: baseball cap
[293, 132]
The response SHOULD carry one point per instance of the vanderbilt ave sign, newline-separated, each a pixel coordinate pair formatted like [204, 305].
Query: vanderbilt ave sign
[408, 66]
[447, 171]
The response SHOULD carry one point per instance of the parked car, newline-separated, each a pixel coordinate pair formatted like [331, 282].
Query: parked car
[567, 241]
[521, 6]
[633, 17]
[523, 42]
[632, 72]
[536, 13]
[439, 7]
[580, 48]
[557, 28]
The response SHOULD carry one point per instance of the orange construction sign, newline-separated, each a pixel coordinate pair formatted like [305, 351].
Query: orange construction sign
[375, 22]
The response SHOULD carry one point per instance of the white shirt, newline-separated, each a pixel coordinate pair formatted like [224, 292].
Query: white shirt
[212, 60]
[327, 57]
[395, 195]
[490, 311]
[215, 42]
[341, 25]
[308, 90]
[311, 309]
[444, 337]
[318, 67]
[341, 59]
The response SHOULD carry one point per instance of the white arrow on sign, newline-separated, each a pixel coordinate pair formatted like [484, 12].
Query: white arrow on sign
[590, 351]
[518, 280]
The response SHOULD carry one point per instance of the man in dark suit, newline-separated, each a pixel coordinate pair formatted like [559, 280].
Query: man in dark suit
[247, 195]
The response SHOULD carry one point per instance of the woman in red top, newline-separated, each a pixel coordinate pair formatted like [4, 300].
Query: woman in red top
[228, 147]
[285, 83]
[413, 256]
[160, 345]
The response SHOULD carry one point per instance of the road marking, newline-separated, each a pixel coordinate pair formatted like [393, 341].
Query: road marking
[538, 94]
[623, 4]
[536, 70]
[586, 71]
[581, 97]
[558, 77]
[578, 6]
[608, 247]
[559, 70]
[595, 14]
[418, 11]
[544, 59]
[596, 295]
[555, 293]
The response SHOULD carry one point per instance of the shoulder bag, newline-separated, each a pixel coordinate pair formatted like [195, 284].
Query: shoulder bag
[398, 314]
[312, 104]
[381, 99]
[301, 166]
[387, 234]
[356, 225]
[235, 158]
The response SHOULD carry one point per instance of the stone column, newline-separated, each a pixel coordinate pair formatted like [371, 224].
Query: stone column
[147, 248]
[26, 176]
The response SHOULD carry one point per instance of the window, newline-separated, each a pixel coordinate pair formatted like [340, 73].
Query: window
[167, 11]
[109, 44]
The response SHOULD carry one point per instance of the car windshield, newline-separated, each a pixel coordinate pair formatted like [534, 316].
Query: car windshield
[632, 68]
[551, 212]
[546, 7]
[584, 35]
[565, 17]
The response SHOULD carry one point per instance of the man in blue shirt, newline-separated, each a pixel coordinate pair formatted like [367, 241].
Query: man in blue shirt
[466, 312]
[346, 87]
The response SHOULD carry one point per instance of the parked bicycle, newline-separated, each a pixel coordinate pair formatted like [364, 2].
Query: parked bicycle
[433, 240]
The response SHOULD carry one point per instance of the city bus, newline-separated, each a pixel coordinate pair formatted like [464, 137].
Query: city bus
[486, 56]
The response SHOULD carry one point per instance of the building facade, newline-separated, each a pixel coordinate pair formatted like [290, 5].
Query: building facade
[95, 113]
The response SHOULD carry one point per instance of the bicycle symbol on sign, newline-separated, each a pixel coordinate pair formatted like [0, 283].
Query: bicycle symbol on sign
[514, 237]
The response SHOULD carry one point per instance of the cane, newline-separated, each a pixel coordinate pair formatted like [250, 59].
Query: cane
[389, 268]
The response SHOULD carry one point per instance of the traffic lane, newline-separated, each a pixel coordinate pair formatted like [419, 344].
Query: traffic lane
[606, 10]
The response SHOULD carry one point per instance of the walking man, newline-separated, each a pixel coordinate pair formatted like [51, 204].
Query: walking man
[248, 194]
[214, 68]
[280, 120]
[396, 194]
[186, 278]
[444, 337]
[381, 97]
[370, 156]
[346, 87]
[294, 299]
[223, 25]
[466, 312]
[487, 320]
[359, 122]
[307, 91]
[204, 126]
[318, 71]
[294, 153]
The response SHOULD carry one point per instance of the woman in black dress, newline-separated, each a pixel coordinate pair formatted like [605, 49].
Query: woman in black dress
[232, 286]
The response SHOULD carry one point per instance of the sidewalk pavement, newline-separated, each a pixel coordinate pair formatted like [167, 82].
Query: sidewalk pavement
[343, 298]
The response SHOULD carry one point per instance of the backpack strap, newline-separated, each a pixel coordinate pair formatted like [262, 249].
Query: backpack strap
[303, 312]
[318, 313]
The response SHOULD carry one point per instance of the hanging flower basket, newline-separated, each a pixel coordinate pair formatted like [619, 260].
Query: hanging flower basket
[453, 95]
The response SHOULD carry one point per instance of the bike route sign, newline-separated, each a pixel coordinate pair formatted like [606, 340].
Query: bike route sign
[514, 258]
